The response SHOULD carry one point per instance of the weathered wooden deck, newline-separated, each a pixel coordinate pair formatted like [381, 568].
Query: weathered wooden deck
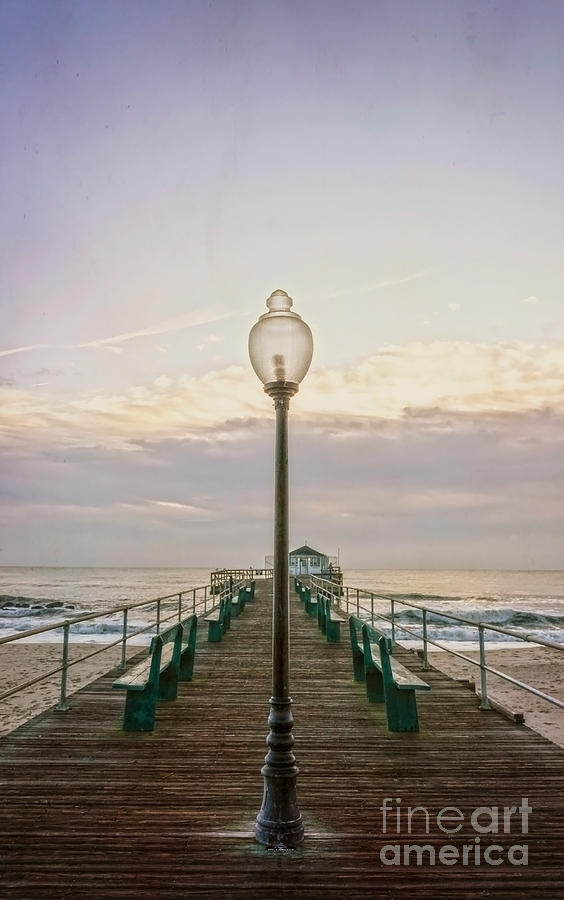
[89, 811]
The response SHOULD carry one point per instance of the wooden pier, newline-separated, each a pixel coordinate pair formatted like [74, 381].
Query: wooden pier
[88, 810]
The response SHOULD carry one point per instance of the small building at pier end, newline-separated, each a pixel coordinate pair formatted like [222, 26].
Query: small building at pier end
[307, 561]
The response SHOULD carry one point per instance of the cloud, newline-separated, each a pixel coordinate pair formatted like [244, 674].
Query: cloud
[531, 299]
[210, 339]
[192, 319]
[111, 348]
[454, 306]
[374, 286]
[451, 376]
[431, 386]
[180, 507]
[431, 487]
[24, 349]
[187, 320]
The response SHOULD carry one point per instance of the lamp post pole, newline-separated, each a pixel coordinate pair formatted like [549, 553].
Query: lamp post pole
[280, 347]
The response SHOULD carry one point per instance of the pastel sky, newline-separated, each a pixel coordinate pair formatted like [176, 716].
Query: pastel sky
[397, 167]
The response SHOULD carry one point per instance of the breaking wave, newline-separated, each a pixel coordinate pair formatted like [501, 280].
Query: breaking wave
[441, 627]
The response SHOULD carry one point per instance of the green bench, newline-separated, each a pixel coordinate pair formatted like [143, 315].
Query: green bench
[309, 602]
[219, 619]
[328, 620]
[387, 680]
[238, 602]
[357, 650]
[245, 595]
[170, 660]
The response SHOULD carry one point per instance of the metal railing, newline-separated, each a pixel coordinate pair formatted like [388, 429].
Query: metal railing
[351, 597]
[172, 607]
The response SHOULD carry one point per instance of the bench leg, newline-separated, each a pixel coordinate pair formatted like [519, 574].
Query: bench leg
[333, 632]
[215, 632]
[186, 665]
[374, 686]
[140, 710]
[401, 710]
[358, 666]
[168, 683]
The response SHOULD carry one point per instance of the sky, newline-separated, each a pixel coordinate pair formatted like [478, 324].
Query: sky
[395, 166]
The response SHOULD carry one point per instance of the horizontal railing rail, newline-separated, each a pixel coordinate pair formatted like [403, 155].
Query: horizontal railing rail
[341, 596]
[193, 601]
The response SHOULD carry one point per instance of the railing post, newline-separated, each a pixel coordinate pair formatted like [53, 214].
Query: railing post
[158, 615]
[193, 600]
[347, 596]
[357, 604]
[124, 641]
[392, 616]
[484, 702]
[372, 608]
[425, 659]
[205, 597]
[180, 607]
[62, 705]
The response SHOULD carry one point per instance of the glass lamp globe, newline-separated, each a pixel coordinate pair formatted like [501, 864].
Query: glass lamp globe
[280, 345]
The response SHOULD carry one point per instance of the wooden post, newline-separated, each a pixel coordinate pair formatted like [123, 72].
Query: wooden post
[124, 641]
[62, 705]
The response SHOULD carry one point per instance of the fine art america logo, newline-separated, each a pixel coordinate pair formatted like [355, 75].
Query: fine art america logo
[495, 831]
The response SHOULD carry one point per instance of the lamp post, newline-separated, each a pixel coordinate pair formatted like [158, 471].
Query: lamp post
[280, 348]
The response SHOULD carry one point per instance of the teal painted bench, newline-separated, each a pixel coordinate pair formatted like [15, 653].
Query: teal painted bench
[245, 595]
[171, 658]
[310, 603]
[333, 625]
[328, 620]
[238, 602]
[321, 613]
[387, 680]
[357, 648]
[219, 619]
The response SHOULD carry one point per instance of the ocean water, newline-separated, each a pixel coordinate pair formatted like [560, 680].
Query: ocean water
[527, 602]
[37, 596]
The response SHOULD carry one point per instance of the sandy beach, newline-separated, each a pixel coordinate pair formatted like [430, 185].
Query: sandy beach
[19, 663]
[540, 667]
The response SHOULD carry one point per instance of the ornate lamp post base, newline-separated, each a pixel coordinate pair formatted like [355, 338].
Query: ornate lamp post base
[279, 823]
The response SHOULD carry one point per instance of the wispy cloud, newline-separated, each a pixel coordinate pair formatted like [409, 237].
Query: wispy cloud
[531, 299]
[371, 287]
[210, 339]
[178, 323]
[168, 506]
[24, 349]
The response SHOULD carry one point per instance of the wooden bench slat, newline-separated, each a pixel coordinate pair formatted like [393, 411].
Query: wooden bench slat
[136, 678]
[406, 680]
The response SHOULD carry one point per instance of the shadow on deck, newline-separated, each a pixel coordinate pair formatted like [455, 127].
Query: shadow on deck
[90, 811]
